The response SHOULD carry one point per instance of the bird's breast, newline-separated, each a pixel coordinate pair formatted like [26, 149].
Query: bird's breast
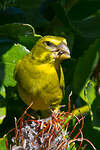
[40, 85]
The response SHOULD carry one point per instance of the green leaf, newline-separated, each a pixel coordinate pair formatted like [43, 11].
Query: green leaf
[87, 6]
[2, 112]
[21, 33]
[8, 62]
[91, 93]
[89, 26]
[2, 103]
[96, 128]
[3, 144]
[86, 66]
[3, 91]
[88, 93]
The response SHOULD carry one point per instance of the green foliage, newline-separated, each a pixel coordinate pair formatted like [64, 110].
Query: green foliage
[96, 113]
[2, 103]
[88, 93]
[3, 91]
[21, 33]
[2, 143]
[86, 66]
[8, 62]
[79, 22]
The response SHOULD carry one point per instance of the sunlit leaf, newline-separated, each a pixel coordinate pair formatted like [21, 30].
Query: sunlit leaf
[3, 144]
[88, 93]
[2, 113]
[2, 103]
[2, 91]
[8, 62]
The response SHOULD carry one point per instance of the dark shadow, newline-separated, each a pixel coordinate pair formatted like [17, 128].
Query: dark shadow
[14, 108]
[12, 14]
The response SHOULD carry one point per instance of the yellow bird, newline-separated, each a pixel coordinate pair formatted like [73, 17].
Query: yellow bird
[39, 74]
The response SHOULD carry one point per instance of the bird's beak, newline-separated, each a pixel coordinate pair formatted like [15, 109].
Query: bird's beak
[61, 52]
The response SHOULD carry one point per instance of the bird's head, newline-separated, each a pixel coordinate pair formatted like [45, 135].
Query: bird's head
[51, 47]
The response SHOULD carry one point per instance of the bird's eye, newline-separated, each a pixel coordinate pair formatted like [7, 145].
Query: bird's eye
[49, 43]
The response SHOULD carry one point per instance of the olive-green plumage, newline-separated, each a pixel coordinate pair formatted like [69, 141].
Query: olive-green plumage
[40, 75]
